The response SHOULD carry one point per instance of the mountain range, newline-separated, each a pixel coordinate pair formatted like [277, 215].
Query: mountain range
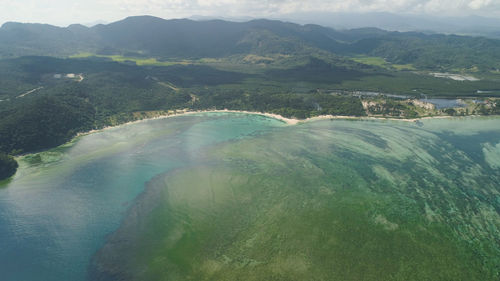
[466, 25]
[149, 36]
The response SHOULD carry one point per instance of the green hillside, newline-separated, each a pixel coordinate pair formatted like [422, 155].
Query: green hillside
[140, 67]
[166, 39]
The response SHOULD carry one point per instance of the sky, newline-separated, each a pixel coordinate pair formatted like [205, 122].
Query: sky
[65, 12]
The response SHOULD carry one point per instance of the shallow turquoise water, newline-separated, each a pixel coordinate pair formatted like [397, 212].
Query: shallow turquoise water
[332, 200]
[61, 205]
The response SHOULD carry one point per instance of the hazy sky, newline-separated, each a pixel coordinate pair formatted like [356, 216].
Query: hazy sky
[64, 12]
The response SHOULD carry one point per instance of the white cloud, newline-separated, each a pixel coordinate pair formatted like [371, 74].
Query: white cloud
[478, 4]
[65, 12]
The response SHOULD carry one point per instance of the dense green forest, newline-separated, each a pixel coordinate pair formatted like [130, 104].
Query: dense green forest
[89, 78]
[8, 166]
[111, 92]
[147, 36]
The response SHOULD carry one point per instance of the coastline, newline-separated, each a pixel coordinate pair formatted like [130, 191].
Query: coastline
[330, 117]
[288, 121]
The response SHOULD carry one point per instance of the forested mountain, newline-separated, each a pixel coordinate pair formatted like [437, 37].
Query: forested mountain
[467, 25]
[169, 38]
[151, 36]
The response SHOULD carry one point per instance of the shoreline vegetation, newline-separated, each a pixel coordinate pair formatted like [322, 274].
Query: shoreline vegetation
[288, 121]
[8, 166]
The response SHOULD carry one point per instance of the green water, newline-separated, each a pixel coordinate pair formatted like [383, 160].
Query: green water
[244, 197]
[326, 200]
[62, 204]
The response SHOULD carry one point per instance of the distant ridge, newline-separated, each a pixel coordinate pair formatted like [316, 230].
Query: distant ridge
[183, 38]
[159, 37]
